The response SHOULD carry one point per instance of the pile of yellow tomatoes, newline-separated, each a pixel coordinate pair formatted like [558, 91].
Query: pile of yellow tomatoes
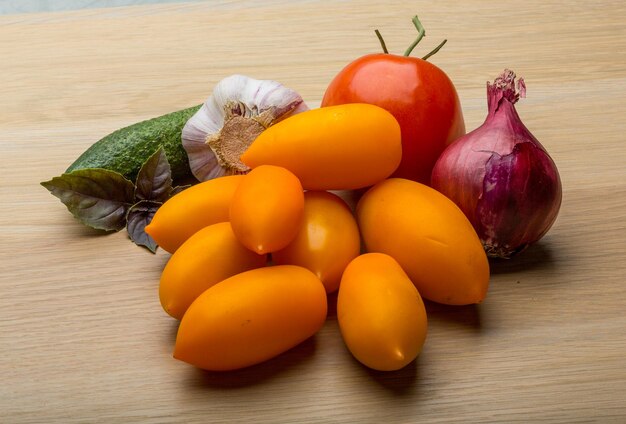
[255, 256]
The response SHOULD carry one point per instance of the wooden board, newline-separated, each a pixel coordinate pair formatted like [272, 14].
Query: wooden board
[82, 334]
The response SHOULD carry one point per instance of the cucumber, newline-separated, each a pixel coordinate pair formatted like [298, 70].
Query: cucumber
[125, 150]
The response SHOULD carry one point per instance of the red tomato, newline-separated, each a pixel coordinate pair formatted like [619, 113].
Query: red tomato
[417, 93]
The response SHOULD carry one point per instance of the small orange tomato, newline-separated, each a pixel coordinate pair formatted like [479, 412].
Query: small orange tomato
[206, 258]
[327, 241]
[380, 313]
[251, 317]
[267, 209]
[333, 148]
[198, 206]
[430, 238]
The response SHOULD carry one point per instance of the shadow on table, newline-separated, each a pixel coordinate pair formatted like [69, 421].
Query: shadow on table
[537, 256]
[290, 361]
[466, 317]
[400, 383]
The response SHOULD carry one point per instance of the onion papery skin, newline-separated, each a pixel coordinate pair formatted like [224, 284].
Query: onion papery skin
[501, 177]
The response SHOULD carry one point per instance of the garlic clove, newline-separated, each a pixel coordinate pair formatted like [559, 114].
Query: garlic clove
[237, 111]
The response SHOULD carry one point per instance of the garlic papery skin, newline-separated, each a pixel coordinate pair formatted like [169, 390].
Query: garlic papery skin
[237, 111]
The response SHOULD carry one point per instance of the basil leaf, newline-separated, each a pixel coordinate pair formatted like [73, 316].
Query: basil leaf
[178, 189]
[99, 198]
[139, 215]
[154, 180]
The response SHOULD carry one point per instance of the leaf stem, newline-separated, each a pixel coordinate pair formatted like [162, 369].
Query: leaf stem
[420, 35]
[382, 42]
[435, 50]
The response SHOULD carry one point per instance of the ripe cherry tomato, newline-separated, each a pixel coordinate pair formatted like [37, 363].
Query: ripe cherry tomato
[417, 93]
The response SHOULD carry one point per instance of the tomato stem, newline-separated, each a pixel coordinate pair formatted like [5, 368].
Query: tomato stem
[382, 42]
[435, 50]
[420, 35]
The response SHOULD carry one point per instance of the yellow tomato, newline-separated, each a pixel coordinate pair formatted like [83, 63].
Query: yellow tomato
[198, 206]
[267, 208]
[206, 258]
[251, 317]
[429, 237]
[333, 148]
[327, 241]
[380, 313]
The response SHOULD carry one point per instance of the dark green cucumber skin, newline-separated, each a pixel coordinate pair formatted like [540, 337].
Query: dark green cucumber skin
[126, 149]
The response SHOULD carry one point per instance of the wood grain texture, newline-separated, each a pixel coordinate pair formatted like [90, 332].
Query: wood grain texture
[82, 334]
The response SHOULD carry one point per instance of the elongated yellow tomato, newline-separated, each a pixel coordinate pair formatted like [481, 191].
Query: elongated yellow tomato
[429, 237]
[267, 209]
[251, 317]
[206, 258]
[339, 147]
[198, 206]
[327, 241]
[380, 313]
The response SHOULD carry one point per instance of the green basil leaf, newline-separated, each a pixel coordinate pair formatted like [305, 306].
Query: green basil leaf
[139, 215]
[99, 198]
[154, 180]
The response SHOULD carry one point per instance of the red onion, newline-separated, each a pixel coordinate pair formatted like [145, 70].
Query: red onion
[500, 176]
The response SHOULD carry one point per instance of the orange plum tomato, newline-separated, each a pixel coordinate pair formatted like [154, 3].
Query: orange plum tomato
[380, 313]
[206, 258]
[430, 238]
[335, 148]
[251, 317]
[267, 209]
[327, 241]
[192, 209]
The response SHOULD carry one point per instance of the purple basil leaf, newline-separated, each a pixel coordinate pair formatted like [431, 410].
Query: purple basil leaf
[139, 215]
[98, 198]
[154, 180]
[178, 189]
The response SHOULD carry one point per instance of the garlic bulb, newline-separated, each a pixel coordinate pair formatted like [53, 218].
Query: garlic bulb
[239, 109]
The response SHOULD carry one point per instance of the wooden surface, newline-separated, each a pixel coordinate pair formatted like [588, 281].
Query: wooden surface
[82, 334]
